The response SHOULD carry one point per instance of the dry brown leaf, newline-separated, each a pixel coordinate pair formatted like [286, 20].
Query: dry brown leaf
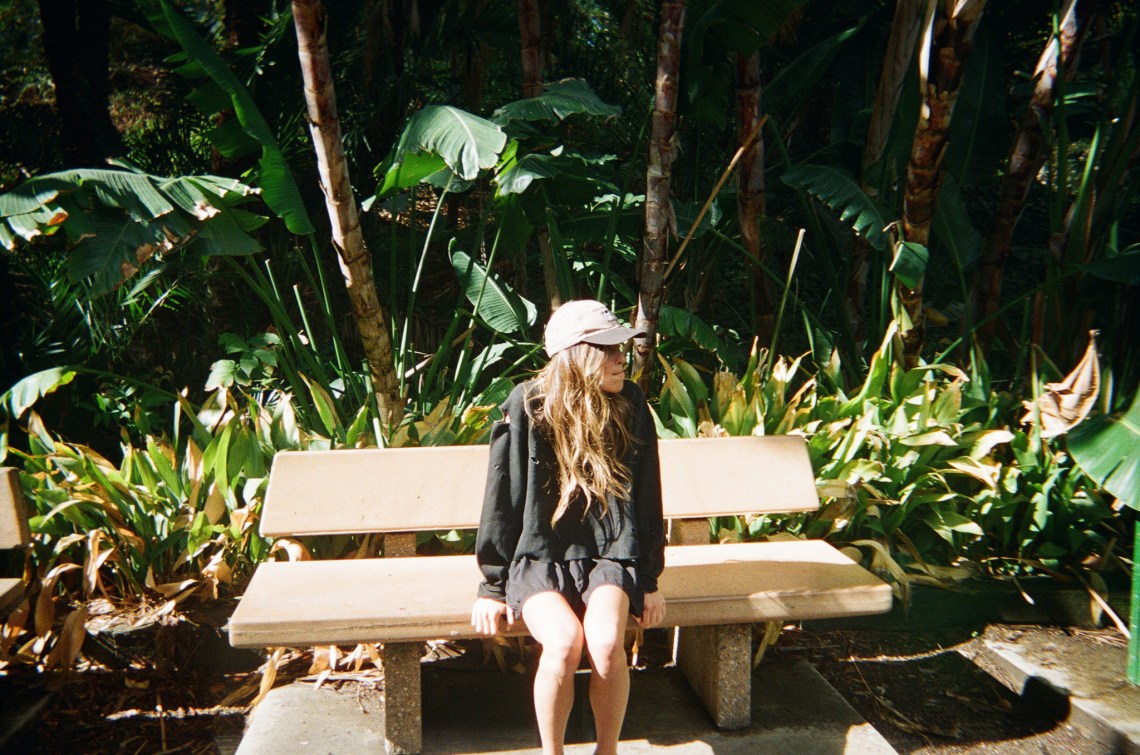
[295, 550]
[149, 617]
[70, 641]
[268, 676]
[324, 659]
[96, 557]
[772, 631]
[1064, 405]
[215, 507]
[14, 626]
[45, 603]
[219, 571]
[172, 589]
[241, 518]
[374, 656]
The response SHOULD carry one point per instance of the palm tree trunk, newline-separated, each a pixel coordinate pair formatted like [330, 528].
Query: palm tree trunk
[658, 211]
[946, 46]
[1025, 161]
[243, 21]
[76, 40]
[751, 198]
[530, 38]
[905, 27]
[353, 256]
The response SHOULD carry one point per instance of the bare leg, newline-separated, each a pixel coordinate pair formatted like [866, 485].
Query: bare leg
[604, 626]
[555, 627]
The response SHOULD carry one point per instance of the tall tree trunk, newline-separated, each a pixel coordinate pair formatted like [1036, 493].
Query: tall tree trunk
[905, 27]
[946, 46]
[750, 197]
[76, 39]
[658, 211]
[530, 37]
[353, 256]
[1025, 161]
[243, 21]
[530, 41]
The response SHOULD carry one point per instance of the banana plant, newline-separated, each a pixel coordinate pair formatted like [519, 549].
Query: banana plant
[519, 151]
[117, 221]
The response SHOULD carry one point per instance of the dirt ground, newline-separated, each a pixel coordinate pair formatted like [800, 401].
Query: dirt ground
[919, 691]
[934, 692]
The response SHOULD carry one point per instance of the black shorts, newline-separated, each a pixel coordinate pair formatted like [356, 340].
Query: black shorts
[574, 580]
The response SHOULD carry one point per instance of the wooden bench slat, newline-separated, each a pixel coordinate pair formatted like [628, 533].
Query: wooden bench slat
[410, 489]
[410, 599]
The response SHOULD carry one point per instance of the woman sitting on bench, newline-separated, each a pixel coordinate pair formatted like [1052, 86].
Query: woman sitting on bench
[571, 535]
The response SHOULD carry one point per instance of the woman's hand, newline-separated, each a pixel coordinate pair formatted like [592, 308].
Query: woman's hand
[654, 610]
[485, 615]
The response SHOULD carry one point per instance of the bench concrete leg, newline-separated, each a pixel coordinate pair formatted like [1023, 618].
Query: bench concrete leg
[717, 661]
[403, 718]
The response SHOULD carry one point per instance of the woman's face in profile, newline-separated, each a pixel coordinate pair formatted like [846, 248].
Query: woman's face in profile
[613, 368]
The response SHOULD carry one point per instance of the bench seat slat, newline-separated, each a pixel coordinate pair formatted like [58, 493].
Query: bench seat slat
[410, 489]
[410, 599]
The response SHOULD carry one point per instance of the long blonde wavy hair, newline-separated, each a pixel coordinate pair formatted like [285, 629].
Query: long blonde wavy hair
[588, 428]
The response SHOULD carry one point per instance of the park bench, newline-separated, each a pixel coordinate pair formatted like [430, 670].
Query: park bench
[14, 536]
[714, 592]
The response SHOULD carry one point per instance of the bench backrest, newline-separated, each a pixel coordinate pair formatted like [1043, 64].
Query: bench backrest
[13, 521]
[441, 488]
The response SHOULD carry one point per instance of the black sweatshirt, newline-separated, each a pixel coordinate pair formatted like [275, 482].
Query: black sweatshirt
[522, 494]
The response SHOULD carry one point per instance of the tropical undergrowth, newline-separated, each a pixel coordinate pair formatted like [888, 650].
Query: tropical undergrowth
[925, 474]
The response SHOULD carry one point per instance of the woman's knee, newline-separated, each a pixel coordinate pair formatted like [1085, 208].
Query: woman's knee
[606, 650]
[562, 649]
[556, 628]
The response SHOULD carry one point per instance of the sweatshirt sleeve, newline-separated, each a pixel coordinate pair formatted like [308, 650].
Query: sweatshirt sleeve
[500, 524]
[647, 499]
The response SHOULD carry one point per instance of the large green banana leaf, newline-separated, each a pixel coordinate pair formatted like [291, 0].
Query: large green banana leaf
[840, 192]
[1108, 450]
[115, 220]
[275, 178]
[500, 306]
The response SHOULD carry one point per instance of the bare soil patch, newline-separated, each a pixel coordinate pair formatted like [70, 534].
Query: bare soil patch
[927, 692]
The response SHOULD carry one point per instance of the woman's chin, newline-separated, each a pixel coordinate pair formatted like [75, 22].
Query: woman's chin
[614, 385]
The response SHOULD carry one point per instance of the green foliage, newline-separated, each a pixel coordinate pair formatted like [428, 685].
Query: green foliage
[841, 193]
[1105, 447]
[254, 363]
[493, 300]
[116, 220]
[223, 92]
[559, 100]
[909, 264]
[925, 462]
[176, 518]
[466, 143]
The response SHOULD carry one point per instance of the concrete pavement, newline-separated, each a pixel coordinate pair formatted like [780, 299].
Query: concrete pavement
[1082, 678]
[794, 711]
